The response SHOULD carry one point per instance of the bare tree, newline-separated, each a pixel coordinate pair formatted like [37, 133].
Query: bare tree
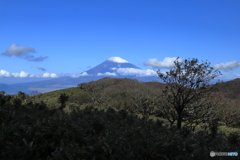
[230, 113]
[167, 112]
[144, 100]
[188, 91]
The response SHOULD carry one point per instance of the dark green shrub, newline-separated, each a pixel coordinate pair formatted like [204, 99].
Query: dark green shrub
[234, 139]
[33, 131]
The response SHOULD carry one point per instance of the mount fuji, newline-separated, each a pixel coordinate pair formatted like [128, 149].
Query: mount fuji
[112, 67]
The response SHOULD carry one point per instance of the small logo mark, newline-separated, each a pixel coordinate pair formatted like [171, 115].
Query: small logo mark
[212, 154]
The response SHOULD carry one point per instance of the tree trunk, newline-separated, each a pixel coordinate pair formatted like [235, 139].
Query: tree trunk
[179, 122]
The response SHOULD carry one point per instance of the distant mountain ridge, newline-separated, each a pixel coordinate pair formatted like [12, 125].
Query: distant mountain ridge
[109, 68]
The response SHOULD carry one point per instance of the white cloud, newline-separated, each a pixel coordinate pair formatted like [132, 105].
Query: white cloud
[107, 74]
[84, 74]
[168, 62]
[22, 74]
[49, 75]
[34, 76]
[227, 65]
[137, 72]
[79, 75]
[236, 74]
[22, 52]
[4, 73]
[114, 68]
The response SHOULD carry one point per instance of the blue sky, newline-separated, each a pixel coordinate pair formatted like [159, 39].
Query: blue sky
[58, 37]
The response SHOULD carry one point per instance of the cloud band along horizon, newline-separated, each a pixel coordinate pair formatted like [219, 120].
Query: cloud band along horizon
[168, 62]
[22, 74]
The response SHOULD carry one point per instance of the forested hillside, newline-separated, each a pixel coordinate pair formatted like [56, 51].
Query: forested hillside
[113, 118]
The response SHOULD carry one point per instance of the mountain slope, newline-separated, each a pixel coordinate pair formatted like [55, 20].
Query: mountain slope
[110, 65]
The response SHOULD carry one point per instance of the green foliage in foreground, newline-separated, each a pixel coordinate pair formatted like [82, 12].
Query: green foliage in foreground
[65, 124]
[33, 131]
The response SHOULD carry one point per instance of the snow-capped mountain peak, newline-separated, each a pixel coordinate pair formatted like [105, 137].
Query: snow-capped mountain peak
[110, 65]
[117, 60]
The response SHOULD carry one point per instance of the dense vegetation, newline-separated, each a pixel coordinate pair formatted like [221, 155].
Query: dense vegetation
[104, 120]
[112, 118]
